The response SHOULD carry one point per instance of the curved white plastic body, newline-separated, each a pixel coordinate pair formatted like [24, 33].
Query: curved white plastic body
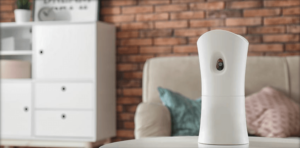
[223, 119]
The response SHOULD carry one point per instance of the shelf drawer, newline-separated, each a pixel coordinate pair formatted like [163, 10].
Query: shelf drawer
[63, 123]
[64, 95]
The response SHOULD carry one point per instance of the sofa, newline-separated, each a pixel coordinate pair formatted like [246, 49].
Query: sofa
[182, 75]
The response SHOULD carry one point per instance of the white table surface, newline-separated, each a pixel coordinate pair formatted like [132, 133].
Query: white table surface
[192, 142]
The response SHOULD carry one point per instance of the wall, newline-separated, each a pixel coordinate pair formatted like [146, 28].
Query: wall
[154, 28]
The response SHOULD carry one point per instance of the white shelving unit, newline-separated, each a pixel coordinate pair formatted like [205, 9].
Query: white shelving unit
[13, 53]
[70, 95]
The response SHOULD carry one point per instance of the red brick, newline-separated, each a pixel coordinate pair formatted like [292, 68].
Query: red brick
[118, 2]
[132, 42]
[136, 58]
[110, 10]
[223, 13]
[152, 17]
[125, 133]
[136, 26]
[243, 21]
[155, 49]
[137, 9]
[119, 18]
[128, 50]
[281, 3]
[119, 108]
[141, 66]
[266, 30]
[130, 108]
[6, 20]
[283, 54]
[133, 75]
[119, 91]
[6, 8]
[127, 34]
[7, 2]
[171, 24]
[132, 91]
[169, 41]
[253, 38]
[7, 15]
[190, 32]
[281, 20]
[293, 29]
[292, 47]
[129, 83]
[125, 116]
[281, 38]
[207, 6]
[291, 11]
[193, 40]
[170, 8]
[187, 15]
[266, 47]
[255, 54]
[206, 23]
[185, 49]
[128, 100]
[153, 2]
[156, 33]
[186, 1]
[129, 125]
[237, 30]
[261, 12]
[173, 55]
[127, 67]
[243, 4]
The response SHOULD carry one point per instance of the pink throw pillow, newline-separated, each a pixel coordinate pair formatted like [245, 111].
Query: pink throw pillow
[271, 114]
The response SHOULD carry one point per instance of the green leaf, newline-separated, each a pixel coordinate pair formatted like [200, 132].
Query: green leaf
[23, 4]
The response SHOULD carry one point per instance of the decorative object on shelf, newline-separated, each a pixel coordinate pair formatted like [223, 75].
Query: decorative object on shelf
[46, 14]
[15, 69]
[22, 13]
[223, 57]
[67, 10]
[8, 44]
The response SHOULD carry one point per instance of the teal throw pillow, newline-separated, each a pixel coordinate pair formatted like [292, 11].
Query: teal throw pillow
[185, 112]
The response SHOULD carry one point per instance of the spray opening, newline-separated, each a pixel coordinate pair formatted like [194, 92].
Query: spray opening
[220, 64]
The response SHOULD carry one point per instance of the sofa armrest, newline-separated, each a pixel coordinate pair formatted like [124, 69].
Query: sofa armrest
[152, 119]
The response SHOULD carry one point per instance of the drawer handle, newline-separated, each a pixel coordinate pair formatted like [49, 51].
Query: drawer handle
[25, 109]
[63, 116]
[41, 51]
[63, 88]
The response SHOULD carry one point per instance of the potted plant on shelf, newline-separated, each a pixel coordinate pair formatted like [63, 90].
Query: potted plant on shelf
[22, 13]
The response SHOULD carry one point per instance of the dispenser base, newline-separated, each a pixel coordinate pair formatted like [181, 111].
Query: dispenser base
[201, 145]
[223, 121]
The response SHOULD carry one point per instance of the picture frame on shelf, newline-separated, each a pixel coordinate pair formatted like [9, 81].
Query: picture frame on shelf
[66, 10]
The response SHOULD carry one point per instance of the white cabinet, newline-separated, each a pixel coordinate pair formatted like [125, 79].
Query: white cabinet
[65, 51]
[16, 109]
[71, 94]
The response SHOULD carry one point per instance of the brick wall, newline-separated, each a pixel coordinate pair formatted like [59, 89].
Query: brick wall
[153, 28]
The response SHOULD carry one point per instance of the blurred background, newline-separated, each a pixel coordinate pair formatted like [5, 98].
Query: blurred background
[162, 28]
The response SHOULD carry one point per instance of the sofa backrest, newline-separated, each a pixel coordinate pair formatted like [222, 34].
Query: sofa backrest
[182, 74]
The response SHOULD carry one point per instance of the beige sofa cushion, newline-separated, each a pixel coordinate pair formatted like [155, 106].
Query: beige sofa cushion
[179, 74]
[182, 74]
[152, 119]
[266, 71]
[294, 75]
